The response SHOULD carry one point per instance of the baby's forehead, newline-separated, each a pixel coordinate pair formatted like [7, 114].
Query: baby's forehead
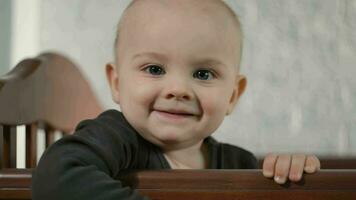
[212, 9]
[180, 4]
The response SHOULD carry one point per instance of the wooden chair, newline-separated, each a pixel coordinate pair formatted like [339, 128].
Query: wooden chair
[47, 92]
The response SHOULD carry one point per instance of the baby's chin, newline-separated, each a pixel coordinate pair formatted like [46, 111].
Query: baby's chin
[163, 141]
[168, 142]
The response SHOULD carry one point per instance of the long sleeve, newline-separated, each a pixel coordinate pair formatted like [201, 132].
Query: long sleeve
[85, 165]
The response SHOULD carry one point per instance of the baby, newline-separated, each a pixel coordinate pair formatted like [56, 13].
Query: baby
[175, 76]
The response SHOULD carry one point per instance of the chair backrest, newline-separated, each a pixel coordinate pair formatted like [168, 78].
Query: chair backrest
[47, 92]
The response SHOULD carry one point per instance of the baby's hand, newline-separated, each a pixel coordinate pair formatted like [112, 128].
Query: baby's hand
[286, 166]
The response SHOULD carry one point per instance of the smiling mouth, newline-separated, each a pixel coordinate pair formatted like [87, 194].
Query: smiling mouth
[173, 115]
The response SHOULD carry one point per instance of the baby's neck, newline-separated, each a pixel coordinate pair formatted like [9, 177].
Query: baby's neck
[194, 157]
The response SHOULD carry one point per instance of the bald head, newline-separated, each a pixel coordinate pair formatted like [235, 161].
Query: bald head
[214, 11]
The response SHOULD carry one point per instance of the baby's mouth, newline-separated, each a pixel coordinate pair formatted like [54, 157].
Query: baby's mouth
[174, 114]
[181, 113]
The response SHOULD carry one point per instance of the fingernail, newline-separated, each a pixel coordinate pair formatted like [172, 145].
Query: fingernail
[296, 177]
[309, 169]
[279, 180]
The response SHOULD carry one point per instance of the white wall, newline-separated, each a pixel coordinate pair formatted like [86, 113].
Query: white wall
[299, 58]
[25, 29]
[5, 35]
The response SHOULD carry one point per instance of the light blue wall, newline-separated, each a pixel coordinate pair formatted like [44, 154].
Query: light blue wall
[5, 35]
[299, 58]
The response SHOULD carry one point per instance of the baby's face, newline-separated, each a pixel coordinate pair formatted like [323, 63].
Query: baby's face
[177, 73]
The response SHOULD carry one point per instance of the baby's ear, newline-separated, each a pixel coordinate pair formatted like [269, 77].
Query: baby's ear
[113, 79]
[240, 86]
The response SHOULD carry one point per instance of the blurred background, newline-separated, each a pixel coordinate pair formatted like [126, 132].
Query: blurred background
[299, 58]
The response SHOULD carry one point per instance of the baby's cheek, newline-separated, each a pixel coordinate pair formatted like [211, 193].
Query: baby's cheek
[135, 99]
[214, 109]
[143, 94]
[209, 105]
[214, 103]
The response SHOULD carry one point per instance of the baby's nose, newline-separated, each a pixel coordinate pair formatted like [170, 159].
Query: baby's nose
[179, 90]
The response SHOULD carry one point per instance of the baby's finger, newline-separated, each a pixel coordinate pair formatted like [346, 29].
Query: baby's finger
[268, 165]
[282, 169]
[297, 167]
[312, 164]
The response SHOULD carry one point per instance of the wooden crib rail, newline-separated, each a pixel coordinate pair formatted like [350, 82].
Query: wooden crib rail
[211, 185]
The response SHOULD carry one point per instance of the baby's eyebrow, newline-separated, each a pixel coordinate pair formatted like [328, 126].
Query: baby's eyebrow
[209, 62]
[200, 62]
[155, 55]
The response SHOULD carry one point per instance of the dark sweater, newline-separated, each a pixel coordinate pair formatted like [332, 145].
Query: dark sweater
[87, 164]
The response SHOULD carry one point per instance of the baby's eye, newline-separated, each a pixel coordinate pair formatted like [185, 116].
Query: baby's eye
[155, 70]
[203, 74]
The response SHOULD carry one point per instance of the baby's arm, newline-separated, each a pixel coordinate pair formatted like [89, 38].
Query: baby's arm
[84, 166]
[71, 170]
[286, 166]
